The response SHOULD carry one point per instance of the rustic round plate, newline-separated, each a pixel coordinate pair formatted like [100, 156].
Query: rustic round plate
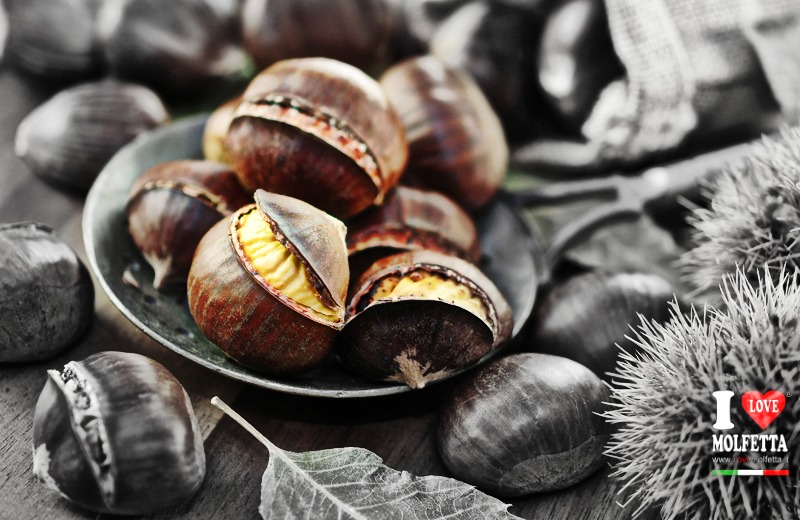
[510, 260]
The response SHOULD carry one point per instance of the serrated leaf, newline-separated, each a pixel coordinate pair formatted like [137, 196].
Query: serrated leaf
[353, 483]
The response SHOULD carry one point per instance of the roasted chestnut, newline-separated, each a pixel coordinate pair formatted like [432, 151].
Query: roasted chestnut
[587, 317]
[54, 39]
[216, 130]
[172, 205]
[576, 59]
[116, 433]
[268, 285]
[526, 423]
[356, 33]
[410, 220]
[418, 317]
[47, 301]
[179, 48]
[456, 143]
[319, 130]
[68, 139]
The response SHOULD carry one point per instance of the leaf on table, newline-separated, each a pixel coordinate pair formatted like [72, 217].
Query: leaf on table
[354, 483]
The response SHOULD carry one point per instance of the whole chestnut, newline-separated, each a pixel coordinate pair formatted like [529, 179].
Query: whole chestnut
[216, 130]
[576, 59]
[68, 139]
[586, 317]
[496, 45]
[54, 39]
[179, 48]
[456, 142]
[172, 205]
[411, 220]
[360, 33]
[116, 433]
[47, 299]
[268, 285]
[420, 316]
[321, 131]
[526, 423]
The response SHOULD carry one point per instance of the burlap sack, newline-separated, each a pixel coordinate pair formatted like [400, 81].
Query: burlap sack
[694, 69]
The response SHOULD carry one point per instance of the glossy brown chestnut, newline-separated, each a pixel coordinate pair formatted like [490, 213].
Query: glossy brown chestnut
[418, 317]
[172, 205]
[46, 294]
[586, 317]
[526, 423]
[268, 285]
[456, 143]
[216, 130]
[410, 220]
[116, 433]
[356, 33]
[321, 131]
[68, 139]
[179, 48]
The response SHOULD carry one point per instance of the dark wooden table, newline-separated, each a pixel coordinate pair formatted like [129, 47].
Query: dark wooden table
[400, 429]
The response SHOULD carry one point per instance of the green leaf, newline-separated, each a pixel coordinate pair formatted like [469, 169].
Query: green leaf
[353, 483]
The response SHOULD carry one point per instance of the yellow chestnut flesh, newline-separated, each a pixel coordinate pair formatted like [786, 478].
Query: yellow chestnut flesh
[422, 285]
[278, 266]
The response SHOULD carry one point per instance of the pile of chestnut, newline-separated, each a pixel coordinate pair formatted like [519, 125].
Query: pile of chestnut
[256, 231]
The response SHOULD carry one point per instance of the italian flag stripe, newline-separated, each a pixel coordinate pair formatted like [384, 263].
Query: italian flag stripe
[751, 472]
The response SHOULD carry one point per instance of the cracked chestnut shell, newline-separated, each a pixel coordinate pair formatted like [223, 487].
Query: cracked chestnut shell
[321, 131]
[172, 205]
[526, 423]
[116, 433]
[410, 220]
[268, 286]
[46, 294]
[216, 130]
[418, 317]
[456, 143]
[69, 138]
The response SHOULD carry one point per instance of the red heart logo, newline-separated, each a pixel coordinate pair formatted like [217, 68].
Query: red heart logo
[763, 408]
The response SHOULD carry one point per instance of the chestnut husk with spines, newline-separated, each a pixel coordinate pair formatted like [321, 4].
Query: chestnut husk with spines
[47, 301]
[318, 130]
[68, 139]
[253, 322]
[587, 317]
[116, 433]
[456, 142]
[180, 48]
[54, 39]
[414, 340]
[172, 205]
[361, 34]
[411, 220]
[526, 423]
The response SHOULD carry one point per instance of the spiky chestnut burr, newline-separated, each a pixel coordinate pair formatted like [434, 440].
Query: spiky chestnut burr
[754, 218]
[662, 402]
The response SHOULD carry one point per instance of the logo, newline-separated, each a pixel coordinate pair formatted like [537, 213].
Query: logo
[763, 409]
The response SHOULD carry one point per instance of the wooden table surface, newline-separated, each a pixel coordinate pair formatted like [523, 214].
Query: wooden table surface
[400, 429]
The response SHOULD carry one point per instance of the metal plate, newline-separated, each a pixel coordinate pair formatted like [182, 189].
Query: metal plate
[510, 260]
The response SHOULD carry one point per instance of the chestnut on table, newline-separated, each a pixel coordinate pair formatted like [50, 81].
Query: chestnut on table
[400, 429]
